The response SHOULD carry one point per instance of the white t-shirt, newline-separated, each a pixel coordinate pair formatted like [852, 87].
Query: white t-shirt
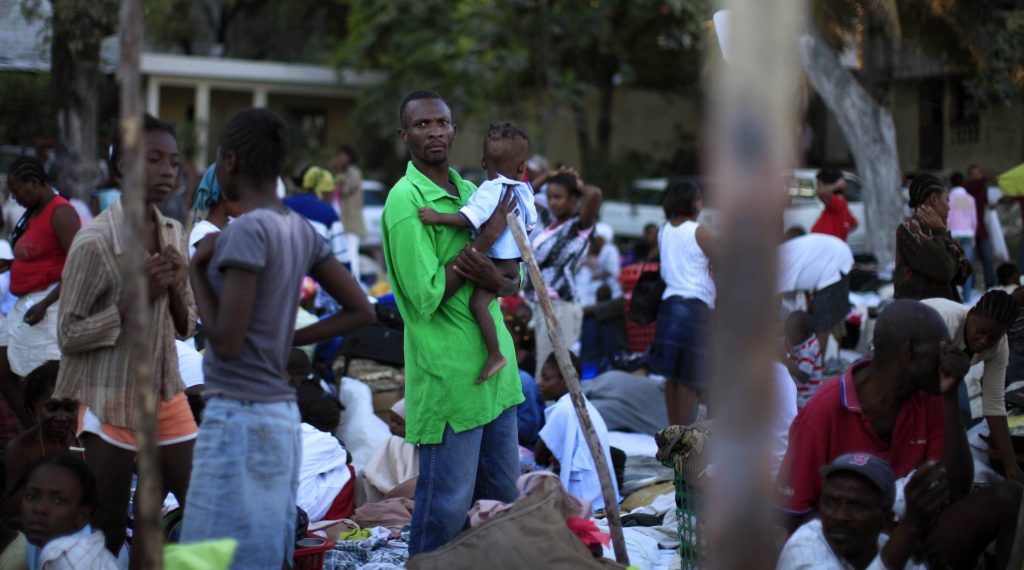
[564, 437]
[684, 266]
[323, 472]
[813, 262]
[808, 549]
[190, 364]
[202, 229]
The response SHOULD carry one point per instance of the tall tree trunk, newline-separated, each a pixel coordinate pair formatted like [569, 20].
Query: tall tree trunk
[871, 135]
[148, 538]
[75, 81]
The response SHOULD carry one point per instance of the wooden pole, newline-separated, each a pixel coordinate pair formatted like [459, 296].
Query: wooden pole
[147, 540]
[753, 132]
[561, 352]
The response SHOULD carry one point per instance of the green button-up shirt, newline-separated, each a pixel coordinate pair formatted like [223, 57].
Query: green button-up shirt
[444, 351]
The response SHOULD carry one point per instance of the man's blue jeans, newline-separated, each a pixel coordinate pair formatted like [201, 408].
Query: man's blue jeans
[481, 463]
[967, 245]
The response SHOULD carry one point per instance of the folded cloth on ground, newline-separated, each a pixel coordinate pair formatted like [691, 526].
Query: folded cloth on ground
[647, 495]
[389, 513]
[486, 509]
[641, 519]
[642, 471]
[633, 443]
[627, 402]
[354, 534]
[360, 554]
[392, 463]
[642, 549]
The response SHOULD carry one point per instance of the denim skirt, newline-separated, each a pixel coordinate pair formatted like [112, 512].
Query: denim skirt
[682, 341]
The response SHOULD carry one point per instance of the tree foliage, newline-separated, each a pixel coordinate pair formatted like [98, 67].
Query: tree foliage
[28, 109]
[297, 30]
[491, 56]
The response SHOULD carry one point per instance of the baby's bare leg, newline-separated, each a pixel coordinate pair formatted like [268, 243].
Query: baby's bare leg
[479, 304]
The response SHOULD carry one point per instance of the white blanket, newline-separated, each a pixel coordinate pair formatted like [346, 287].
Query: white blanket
[361, 430]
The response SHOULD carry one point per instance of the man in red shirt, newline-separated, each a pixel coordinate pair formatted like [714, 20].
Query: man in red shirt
[836, 219]
[902, 406]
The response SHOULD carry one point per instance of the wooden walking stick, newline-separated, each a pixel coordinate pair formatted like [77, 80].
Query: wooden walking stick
[147, 538]
[611, 501]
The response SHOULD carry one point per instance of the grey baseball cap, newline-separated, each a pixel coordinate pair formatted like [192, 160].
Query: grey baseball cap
[875, 469]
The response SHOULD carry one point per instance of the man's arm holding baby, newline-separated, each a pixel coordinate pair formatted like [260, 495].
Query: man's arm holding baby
[471, 265]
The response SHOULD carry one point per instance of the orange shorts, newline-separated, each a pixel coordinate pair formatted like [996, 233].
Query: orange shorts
[175, 424]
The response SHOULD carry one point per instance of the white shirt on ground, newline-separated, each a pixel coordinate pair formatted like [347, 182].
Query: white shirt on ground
[564, 437]
[807, 549]
[813, 262]
[684, 266]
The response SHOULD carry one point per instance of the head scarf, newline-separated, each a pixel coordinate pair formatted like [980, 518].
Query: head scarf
[208, 193]
[318, 180]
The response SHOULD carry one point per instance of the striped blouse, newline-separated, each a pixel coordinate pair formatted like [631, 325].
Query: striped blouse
[95, 368]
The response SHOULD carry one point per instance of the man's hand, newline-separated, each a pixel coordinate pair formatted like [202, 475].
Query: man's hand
[204, 250]
[953, 365]
[498, 222]
[472, 265]
[429, 216]
[35, 313]
[926, 493]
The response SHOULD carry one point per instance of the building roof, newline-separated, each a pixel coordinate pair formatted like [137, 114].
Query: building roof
[190, 67]
[25, 46]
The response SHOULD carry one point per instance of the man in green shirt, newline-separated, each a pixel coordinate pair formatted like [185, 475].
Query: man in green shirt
[467, 432]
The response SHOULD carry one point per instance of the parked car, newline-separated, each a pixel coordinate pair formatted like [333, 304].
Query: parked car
[643, 207]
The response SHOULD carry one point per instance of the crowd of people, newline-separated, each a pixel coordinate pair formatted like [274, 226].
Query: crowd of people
[252, 288]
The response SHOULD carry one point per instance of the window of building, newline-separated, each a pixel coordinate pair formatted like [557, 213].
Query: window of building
[311, 126]
[964, 118]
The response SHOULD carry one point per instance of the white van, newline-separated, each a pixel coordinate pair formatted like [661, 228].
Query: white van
[644, 205]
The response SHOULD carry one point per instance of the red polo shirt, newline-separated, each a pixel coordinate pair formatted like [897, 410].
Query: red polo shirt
[832, 424]
[836, 219]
